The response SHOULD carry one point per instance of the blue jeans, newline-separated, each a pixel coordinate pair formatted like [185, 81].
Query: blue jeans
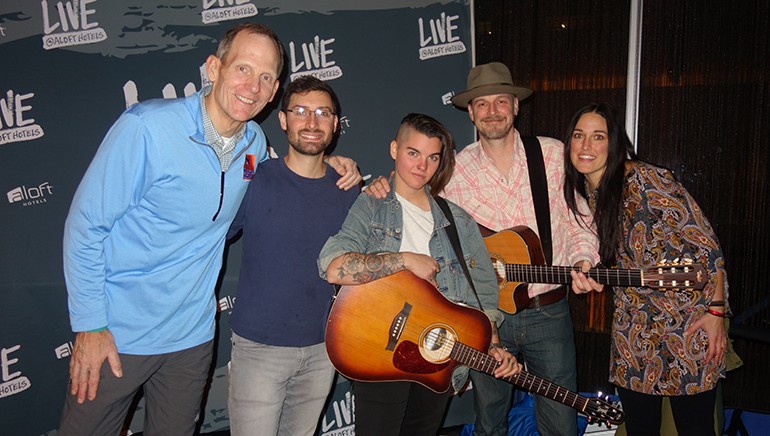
[277, 390]
[542, 338]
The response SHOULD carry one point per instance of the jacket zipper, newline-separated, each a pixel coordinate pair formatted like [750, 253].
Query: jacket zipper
[222, 179]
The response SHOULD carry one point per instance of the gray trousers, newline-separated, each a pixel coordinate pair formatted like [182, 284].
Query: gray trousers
[173, 386]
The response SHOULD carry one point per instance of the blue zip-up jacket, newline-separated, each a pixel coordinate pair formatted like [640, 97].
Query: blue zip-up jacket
[144, 237]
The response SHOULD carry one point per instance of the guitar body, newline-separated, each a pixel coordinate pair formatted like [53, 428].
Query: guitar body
[518, 245]
[398, 328]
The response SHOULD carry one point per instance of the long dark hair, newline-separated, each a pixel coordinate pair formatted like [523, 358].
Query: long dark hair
[609, 198]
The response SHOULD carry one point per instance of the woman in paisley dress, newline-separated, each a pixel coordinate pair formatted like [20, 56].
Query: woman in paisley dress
[664, 343]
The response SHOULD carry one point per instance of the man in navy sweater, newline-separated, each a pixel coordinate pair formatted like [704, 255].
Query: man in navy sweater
[280, 373]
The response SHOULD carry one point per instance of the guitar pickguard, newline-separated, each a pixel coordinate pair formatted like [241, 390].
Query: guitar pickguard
[431, 356]
[407, 358]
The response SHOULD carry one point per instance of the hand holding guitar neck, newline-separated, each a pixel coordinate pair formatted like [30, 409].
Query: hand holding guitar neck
[518, 260]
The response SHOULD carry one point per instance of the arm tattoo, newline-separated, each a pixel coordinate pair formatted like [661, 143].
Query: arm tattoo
[364, 268]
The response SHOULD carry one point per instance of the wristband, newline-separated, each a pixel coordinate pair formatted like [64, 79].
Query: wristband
[717, 303]
[715, 313]
[97, 330]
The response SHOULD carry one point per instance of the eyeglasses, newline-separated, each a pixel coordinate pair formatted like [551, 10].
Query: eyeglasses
[322, 113]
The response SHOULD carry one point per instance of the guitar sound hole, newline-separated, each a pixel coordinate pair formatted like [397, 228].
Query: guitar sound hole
[435, 338]
[436, 343]
[498, 265]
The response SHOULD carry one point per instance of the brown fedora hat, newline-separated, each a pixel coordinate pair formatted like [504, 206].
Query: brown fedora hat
[487, 79]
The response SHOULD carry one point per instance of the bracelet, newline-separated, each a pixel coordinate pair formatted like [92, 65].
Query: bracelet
[715, 313]
[717, 303]
[497, 345]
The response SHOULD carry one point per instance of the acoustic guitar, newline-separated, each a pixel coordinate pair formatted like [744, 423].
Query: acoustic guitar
[517, 258]
[400, 327]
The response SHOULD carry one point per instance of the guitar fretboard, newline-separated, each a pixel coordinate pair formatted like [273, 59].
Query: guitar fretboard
[486, 363]
[561, 274]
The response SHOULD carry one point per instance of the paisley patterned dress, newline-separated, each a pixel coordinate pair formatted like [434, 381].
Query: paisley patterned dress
[650, 353]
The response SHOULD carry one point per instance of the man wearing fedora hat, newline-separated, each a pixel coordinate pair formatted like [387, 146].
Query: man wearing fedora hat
[492, 182]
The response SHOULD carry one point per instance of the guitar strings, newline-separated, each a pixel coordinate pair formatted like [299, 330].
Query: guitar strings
[542, 386]
[438, 333]
[527, 273]
[453, 349]
[561, 274]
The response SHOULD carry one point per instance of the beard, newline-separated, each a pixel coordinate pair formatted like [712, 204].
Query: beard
[309, 148]
[494, 132]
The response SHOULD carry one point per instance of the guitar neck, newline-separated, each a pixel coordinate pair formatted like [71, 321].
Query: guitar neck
[486, 363]
[560, 275]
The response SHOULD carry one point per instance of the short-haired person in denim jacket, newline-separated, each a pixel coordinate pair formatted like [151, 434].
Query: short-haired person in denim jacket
[405, 231]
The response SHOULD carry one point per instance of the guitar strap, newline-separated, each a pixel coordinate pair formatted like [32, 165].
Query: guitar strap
[539, 184]
[454, 238]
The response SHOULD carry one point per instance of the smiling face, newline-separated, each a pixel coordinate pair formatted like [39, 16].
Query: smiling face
[588, 147]
[309, 136]
[417, 159]
[244, 81]
[493, 115]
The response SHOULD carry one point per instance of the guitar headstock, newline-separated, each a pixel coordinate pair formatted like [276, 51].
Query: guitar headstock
[676, 275]
[603, 412]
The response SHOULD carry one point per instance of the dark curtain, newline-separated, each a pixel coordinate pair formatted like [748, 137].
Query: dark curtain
[704, 111]
[704, 106]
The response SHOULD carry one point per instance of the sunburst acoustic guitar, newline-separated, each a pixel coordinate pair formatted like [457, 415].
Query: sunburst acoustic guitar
[400, 327]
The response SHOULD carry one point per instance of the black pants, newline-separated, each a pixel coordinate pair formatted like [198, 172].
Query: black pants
[693, 414]
[398, 408]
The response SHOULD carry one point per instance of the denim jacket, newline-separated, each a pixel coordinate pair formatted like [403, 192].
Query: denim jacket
[375, 226]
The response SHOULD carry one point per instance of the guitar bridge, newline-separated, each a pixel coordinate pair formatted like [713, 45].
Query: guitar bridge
[397, 326]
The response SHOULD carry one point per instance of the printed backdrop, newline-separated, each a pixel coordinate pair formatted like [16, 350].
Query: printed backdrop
[69, 68]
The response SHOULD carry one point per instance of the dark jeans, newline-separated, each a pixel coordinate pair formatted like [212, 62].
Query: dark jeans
[542, 337]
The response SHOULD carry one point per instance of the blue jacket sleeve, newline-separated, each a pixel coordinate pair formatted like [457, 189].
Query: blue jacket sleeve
[114, 183]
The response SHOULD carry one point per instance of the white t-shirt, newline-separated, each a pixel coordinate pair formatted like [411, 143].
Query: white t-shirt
[418, 228]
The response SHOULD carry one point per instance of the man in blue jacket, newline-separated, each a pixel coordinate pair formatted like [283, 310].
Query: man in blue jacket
[144, 238]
